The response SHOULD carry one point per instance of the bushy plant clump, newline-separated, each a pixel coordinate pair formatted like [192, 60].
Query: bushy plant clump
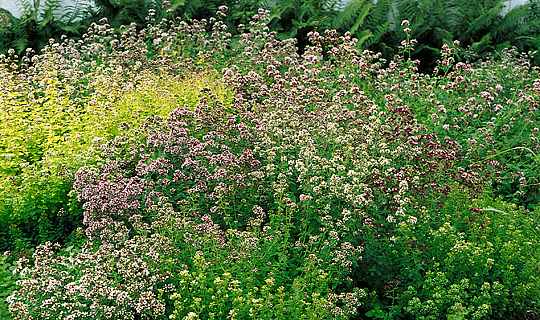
[329, 186]
[57, 110]
[490, 119]
[479, 260]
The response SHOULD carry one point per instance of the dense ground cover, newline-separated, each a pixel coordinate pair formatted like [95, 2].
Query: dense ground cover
[211, 181]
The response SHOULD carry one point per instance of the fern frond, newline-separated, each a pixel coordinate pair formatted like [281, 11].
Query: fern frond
[107, 8]
[482, 44]
[349, 13]
[379, 13]
[20, 44]
[511, 21]
[75, 12]
[408, 9]
[4, 18]
[277, 12]
[363, 36]
[360, 20]
[28, 9]
[378, 33]
[424, 46]
[485, 20]
[445, 35]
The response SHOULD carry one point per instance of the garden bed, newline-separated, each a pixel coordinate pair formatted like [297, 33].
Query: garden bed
[187, 177]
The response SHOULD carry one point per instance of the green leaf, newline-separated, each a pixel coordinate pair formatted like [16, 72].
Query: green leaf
[360, 19]
[478, 46]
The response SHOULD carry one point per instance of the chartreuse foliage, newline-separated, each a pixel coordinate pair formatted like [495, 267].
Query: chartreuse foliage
[46, 135]
[467, 261]
[275, 276]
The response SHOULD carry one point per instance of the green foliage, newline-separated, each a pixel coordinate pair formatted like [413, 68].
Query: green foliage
[182, 272]
[483, 262]
[355, 12]
[368, 21]
[273, 283]
[485, 28]
[46, 136]
[249, 181]
[479, 24]
[530, 41]
[125, 12]
[7, 284]
[468, 260]
[482, 24]
[432, 24]
[39, 22]
[295, 18]
[469, 105]
[242, 11]
[120, 12]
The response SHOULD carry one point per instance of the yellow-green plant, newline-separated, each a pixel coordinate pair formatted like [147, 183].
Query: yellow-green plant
[53, 124]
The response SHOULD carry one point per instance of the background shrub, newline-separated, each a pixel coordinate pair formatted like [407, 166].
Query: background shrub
[484, 26]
